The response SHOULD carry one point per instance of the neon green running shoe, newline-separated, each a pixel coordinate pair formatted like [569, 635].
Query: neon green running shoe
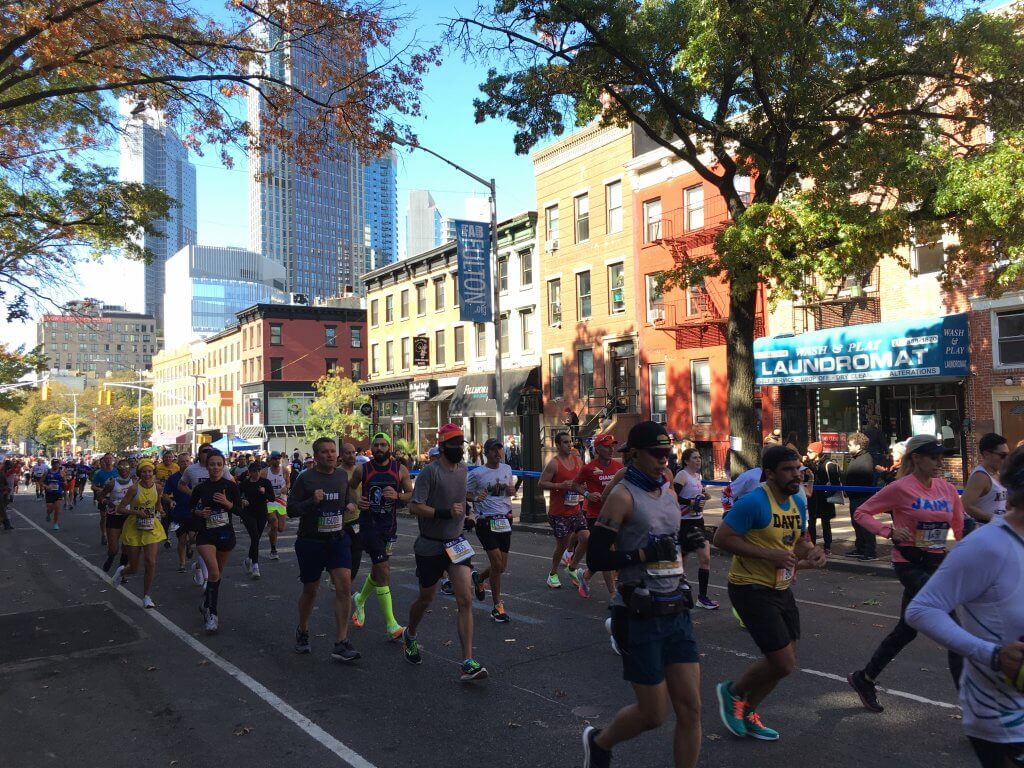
[359, 614]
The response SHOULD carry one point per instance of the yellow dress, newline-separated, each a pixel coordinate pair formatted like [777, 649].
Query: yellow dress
[132, 534]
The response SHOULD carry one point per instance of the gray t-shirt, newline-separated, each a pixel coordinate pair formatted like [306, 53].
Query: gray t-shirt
[194, 474]
[440, 487]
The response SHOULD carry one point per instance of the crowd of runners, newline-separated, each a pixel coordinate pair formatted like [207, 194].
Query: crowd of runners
[623, 515]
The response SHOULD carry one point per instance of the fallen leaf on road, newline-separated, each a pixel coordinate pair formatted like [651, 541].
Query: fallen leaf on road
[514, 725]
[243, 731]
[880, 626]
[447, 643]
[510, 639]
[713, 737]
[530, 647]
[203, 663]
[560, 694]
[871, 601]
[152, 669]
[541, 723]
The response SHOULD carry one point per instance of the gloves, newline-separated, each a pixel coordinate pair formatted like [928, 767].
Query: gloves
[662, 548]
[693, 540]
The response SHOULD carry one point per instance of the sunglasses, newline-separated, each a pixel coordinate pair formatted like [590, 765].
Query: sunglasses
[658, 453]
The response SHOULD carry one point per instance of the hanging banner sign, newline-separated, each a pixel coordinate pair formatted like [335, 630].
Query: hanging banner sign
[473, 248]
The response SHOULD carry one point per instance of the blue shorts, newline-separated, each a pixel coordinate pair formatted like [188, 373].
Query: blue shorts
[317, 555]
[650, 645]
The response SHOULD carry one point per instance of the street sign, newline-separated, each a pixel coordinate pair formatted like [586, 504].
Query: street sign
[197, 422]
[231, 431]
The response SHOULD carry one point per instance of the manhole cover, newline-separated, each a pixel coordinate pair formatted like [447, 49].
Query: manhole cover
[61, 631]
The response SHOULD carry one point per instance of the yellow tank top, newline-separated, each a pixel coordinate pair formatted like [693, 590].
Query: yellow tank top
[782, 532]
[145, 498]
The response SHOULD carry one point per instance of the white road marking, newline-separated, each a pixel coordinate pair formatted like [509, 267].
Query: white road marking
[310, 728]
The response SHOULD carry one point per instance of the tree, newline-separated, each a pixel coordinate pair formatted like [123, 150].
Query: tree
[64, 64]
[857, 122]
[15, 364]
[117, 427]
[335, 412]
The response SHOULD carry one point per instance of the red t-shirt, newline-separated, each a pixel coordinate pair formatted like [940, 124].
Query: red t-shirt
[594, 478]
[565, 503]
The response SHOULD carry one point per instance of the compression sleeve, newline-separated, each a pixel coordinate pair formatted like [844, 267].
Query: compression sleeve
[601, 556]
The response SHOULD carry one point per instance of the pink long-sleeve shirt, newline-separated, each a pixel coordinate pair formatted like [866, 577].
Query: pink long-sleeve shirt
[926, 512]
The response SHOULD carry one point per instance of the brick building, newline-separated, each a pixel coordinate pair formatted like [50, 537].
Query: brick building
[93, 338]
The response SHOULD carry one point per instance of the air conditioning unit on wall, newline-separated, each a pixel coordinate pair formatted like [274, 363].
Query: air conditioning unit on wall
[551, 245]
[658, 418]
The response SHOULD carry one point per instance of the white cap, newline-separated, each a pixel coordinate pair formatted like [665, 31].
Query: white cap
[745, 483]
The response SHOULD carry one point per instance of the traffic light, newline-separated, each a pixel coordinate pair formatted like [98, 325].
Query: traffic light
[99, 395]
[44, 391]
[110, 394]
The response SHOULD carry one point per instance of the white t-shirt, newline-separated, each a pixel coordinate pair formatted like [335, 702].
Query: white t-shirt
[194, 474]
[692, 487]
[498, 503]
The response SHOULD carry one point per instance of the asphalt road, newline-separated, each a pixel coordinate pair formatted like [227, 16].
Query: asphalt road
[89, 678]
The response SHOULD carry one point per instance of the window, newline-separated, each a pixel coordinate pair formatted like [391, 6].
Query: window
[526, 268]
[460, 343]
[357, 337]
[700, 390]
[551, 222]
[481, 340]
[555, 376]
[503, 274]
[659, 400]
[581, 207]
[330, 335]
[526, 328]
[331, 365]
[275, 335]
[276, 368]
[389, 309]
[929, 254]
[374, 358]
[421, 299]
[652, 220]
[613, 207]
[406, 350]
[389, 356]
[554, 302]
[439, 294]
[373, 312]
[357, 370]
[583, 295]
[455, 290]
[403, 307]
[655, 298]
[503, 334]
[616, 289]
[585, 365]
[1010, 330]
[439, 348]
[694, 198]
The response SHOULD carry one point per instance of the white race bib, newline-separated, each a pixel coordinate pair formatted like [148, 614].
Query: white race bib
[217, 520]
[144, 523]
[329, 523]
[666, 567]
[782, 577]
[501, 525]
[458, 549]
[572, 498]
[931, 535]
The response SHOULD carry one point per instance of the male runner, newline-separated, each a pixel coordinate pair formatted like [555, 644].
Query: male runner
[984, 496]
[564, 513]
[651, 607]
[100, 478]
[319, 498]
[53, 481]
[280, 478]
[347, 463]
[439, 504]
[764, 532]
[592, 479]
[82, 471]
[180, 515]
[39, 470]
[491, 488]
[385, 482]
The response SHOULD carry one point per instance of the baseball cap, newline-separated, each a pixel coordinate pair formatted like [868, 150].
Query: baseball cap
[928, 445]
[647, 434]
[434, 451]
[492, 442]
[449, 432]
[605, 439]
[381, 436]
[275, 454]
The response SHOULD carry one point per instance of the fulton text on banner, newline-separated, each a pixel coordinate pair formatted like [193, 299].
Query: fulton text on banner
[473, 240]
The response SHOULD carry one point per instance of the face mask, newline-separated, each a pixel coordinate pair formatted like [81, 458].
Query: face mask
[453, 453]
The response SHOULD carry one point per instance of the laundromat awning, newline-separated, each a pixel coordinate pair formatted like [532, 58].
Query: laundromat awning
[934, 348]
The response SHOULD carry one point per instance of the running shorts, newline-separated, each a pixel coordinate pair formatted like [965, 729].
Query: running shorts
[318, 555]
[566, 525]
[490, 540]
[430, 568]
[53, 496]
[650, 645]
[770, 615]
[222, 537]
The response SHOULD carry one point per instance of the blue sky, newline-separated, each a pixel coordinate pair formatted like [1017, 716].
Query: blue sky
[446, 126]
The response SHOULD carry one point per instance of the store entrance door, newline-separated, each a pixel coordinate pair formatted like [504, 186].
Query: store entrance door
[1012, 422]
[623, 362]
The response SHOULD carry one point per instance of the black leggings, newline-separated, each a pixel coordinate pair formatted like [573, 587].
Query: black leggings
[254, 527]
[826, 530]
[913, 578]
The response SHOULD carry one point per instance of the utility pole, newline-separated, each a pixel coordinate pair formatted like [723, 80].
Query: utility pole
[499, 390]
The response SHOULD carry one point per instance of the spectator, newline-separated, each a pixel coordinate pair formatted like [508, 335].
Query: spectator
[860, 472]
[876, 441]
[820, 509]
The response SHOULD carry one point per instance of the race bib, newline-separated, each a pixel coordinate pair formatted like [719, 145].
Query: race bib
[931, 535]
[329, 523]
[217, 520]
[783, 576]
[53, 486]
[571, 498]
[666, 567]
[458, 549]
[501, 525]
[144, 523]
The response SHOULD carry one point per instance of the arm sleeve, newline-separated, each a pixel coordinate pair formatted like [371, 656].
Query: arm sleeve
[883, 501]
[967, 572]
[601, 556]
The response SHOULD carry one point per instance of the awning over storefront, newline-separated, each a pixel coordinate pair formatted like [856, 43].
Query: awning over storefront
[516, 382]
[440, 397]
[934, 348]
[474, 397]
[169, 438]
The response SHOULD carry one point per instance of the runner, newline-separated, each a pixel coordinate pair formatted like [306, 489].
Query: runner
[491, 488]
[82, 472]
[256, 493]
[983, 577]
[182, 522]
[103, 475]
[214, 501]
[70, 473]
[10, 480]
[764, 532]
[593, 478]
[984, 496]
[439, 504]
[348, 464]
[191, 477]
[689, 487]
[319, 498]
[39, 470]
[53, 481]
[385, 483]
[277, 511]
[111, 494]
[564, 513]
[651, 607]
[924, 506]
[142, 530]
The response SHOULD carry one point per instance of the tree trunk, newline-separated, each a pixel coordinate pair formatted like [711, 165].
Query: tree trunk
[740, 371]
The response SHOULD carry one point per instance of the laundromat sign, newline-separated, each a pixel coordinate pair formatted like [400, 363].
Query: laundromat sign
[902, 350]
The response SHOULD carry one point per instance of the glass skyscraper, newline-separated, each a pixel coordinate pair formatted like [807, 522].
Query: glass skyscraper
[382, 209]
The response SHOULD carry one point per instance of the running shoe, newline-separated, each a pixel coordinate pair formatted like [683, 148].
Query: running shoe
[854, 553]
[56, 527]
[147, 602]
[273, 555]
[344, 651]
[758, 730]
[869, 558]
[731, 709]
[593, 755]
[181, 569]
[197, 574]
[248, 565]
[118, 577]
[472, 670]
[583, 586]
[737, 617]
[567, 557]
[359, 614]
[412, 648]
[211, 623]
[611, 637]
[574, 576]
[703, 601]
[301, 641]
[498, 614]
[255, 573]
[395, 633]
[478, 587]
[107, 563]
[446, 587]
[866, 690]
[173, 528]
[553, 581]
